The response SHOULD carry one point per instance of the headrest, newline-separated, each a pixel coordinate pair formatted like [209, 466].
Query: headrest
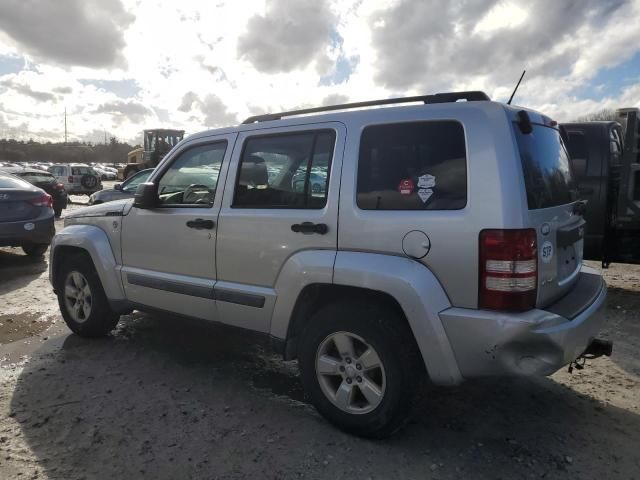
[253, 171]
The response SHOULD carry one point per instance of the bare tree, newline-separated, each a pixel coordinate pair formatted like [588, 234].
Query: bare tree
[606, 114]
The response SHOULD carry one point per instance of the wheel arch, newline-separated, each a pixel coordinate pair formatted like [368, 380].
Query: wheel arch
[93, 242]
[398, 282]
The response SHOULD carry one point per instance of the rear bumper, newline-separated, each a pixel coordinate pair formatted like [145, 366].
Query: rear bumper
[34, 231]
[537, 342]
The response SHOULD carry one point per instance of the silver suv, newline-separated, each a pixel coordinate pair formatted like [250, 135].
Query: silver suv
[445, 244]
[77, 178]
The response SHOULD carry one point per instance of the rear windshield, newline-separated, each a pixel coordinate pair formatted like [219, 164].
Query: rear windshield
[545, 164]
[12, 182]
[33, 177]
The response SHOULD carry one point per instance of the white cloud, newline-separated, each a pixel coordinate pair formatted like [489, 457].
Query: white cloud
[195, 64]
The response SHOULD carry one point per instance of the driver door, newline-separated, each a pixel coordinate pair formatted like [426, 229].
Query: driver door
[168, 252]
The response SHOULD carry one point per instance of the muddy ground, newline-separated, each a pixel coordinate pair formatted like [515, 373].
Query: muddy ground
[169, 398]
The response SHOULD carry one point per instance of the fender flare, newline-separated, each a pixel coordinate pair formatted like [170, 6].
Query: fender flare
[419, 294]
[95, 242]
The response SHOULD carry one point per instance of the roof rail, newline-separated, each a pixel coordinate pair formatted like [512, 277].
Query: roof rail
[449, 97]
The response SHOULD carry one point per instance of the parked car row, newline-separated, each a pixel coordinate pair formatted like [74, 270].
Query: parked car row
[47, 182]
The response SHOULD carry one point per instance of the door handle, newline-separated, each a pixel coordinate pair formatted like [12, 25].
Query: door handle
[310, 227]
[200, 223]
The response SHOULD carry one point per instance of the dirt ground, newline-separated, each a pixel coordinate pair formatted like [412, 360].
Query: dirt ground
[168, 398]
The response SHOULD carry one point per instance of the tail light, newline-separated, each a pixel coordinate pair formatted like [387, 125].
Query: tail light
[508, 270]
[43, 200]
[70, 179]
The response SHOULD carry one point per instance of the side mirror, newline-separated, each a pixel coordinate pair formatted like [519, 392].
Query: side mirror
[117, 186]
[146, 196]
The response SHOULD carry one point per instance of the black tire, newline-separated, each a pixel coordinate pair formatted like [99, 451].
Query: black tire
[88, 181]
[388, 333]
[35, 249]
[101, 319]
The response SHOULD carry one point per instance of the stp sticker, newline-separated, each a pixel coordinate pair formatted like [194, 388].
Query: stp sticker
[546, 251]
[406, 186]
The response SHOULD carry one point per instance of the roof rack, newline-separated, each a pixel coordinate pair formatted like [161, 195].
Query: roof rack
[449, 97]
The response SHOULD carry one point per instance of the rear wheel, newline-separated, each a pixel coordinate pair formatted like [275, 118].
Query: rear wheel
[82, 300]
[35, 250]
[361, 368]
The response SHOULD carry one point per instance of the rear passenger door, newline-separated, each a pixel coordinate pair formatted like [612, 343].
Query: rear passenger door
[281, 198]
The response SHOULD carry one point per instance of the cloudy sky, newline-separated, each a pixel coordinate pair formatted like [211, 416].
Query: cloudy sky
[123, 65]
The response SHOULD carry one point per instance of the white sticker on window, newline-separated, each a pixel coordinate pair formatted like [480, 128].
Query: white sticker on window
[425, 194]
[426, 181]
[546, 251]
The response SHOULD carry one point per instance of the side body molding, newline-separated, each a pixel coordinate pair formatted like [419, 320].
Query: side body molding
[420, 296]
[96, 243]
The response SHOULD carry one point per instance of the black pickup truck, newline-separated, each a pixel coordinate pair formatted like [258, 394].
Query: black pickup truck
[605, 158]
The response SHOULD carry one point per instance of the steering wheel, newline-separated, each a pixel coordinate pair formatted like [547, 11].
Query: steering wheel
[191, 191]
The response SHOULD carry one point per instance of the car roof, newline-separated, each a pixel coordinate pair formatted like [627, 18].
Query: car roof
[449, 109]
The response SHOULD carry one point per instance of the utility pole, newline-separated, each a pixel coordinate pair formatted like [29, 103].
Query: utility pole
[65, 126]
[105, 136]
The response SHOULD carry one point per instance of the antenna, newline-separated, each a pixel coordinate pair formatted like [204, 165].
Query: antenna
[516, 89]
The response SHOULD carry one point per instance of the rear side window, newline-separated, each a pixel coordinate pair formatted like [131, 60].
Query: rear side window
[285, 171]
[545, 165]
[413, 166]
[82, 171]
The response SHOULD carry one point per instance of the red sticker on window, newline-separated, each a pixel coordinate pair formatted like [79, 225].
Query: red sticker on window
[406, 187]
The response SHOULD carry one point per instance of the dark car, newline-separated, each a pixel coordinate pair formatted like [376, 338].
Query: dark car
[26, 215]
[47, 182]
[605, 158]
[126, 189]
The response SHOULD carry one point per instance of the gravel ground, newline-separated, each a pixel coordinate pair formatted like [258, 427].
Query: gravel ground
[169, 398]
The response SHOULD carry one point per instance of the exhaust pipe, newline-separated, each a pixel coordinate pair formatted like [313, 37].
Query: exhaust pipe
[598, 348]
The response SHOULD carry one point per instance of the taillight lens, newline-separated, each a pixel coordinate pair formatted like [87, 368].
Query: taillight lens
[43, 200]
[508, 270]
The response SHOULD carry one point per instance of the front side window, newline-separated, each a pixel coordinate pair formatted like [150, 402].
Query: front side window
[412, 166]
[285, 171]
[193, 176]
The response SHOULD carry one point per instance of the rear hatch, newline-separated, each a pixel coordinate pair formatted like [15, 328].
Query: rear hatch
[15, 200]
[554, 211]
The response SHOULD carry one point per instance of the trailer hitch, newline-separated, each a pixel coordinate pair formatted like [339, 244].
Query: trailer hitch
[597, 348]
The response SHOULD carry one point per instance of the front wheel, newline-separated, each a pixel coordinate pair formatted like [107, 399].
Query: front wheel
[82, 300]
[361, 368]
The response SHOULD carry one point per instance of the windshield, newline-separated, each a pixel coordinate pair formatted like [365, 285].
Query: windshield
[545, 164]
